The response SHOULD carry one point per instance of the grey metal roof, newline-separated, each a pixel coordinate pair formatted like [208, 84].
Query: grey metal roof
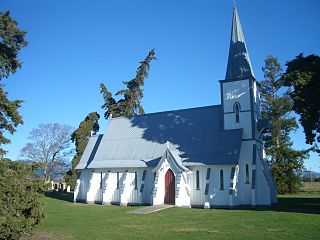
[239, 64]
[140, 141]
[173, 155]
[90, 151]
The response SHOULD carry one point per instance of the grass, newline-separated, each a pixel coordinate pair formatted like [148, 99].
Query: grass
[311, 187]
[295, 217]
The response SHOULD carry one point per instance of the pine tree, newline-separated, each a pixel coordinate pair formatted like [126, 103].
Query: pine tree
[11, 42]
[80, 137]
[286, 162]
[130, 104]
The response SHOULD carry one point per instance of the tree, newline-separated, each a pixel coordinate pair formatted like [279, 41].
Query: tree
[80, 137]
[130, 104]
[11, 42]
[21, 207]
[303, 75]
[9, 117]
[286, 162]
[50, 147]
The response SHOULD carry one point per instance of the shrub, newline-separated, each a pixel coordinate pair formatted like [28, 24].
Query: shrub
[21, 206]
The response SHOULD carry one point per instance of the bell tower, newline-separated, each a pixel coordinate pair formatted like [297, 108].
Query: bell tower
[241, 110]
[239, 95]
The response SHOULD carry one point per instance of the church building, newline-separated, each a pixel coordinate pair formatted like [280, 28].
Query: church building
[209, 157]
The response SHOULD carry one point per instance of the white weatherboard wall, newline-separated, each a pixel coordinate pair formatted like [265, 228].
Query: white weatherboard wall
[109, 193]
[94, 192]
[183, 190]
[216, 196]
[147, 194]
[237, 91]
[245, 187]
[82, 186]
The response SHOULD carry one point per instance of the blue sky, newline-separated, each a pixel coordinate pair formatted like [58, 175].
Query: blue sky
[75, 45]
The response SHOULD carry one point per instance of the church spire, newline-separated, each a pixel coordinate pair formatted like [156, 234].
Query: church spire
[239, 65]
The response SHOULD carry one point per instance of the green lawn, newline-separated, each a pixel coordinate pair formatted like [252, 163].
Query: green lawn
[295, 217]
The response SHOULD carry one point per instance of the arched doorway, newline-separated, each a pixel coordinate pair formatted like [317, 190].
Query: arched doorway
[169, 194]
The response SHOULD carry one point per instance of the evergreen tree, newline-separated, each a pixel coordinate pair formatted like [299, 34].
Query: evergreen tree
[11, 42]
[80, 137]
[21, 192]
[286, 163]
[303, 75]
[130, 104]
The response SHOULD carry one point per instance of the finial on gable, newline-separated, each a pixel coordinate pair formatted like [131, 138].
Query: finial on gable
[168, 144]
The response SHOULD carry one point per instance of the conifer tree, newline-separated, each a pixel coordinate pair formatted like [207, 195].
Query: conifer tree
[286, 162]
[11, 42]
[80, 137]
[130, 104]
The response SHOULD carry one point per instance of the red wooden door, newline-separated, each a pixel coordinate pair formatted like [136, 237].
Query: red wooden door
[169, 196]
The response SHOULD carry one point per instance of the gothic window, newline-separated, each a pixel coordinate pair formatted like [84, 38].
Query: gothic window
[236, 109]
[135, 180]
[221, 180]
[197, 180]
[247, 173]
[100, 180]
[118, 180]
[208, 173]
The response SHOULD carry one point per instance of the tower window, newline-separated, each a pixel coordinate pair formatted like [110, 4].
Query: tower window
[221, 180]
[247, 173]
[197, 180]
[236, 109]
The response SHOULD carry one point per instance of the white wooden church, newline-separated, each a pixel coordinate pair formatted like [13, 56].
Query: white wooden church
[199, 157]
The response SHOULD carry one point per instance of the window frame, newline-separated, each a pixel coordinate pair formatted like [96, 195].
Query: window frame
[237, 109]
[247, 174]
[197, 180]
[221, 180]
[118, 181]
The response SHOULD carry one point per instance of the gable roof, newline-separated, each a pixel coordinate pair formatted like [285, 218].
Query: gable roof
[172, 155]
[239, 64]
[140, 141]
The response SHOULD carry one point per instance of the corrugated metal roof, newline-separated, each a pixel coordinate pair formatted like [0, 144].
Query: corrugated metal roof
[239, 64]
[90, 151]
[140, 141]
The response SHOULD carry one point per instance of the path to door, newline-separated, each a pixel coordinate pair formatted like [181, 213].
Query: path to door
[150, 209]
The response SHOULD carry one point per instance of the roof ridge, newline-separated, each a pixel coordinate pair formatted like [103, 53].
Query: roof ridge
[168, 111]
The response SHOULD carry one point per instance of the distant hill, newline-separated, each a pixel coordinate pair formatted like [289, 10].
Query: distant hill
[315, 174]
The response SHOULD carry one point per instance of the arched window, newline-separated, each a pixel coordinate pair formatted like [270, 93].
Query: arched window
[247, 173]
[197, 180]
[221, 180]
[118, 181]
[236, 109]
[100, 180]
[135, 180]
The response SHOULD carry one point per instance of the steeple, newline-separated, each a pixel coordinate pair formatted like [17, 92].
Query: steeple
[239, 65]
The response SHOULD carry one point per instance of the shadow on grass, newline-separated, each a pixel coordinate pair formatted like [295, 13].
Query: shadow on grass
[286, 203]
[64, 196]
[296, 204]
